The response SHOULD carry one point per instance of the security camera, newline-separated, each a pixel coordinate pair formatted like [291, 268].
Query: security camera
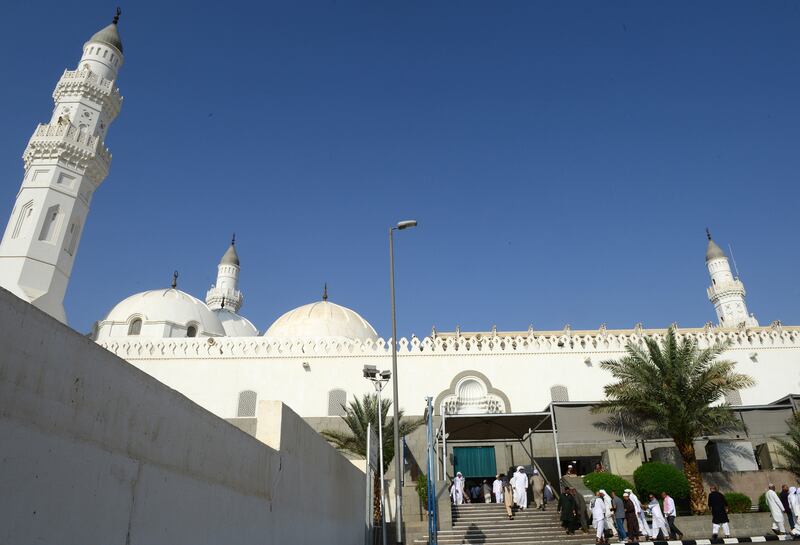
[370, 371]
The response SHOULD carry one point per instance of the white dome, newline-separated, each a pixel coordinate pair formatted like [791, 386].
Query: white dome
[235, 325]
[319, 321]
[163, 313]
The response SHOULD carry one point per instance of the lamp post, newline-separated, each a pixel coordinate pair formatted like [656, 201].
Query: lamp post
[398, 452]
[379, 380]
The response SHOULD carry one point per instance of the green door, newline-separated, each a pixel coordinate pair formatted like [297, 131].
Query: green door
[474, 461]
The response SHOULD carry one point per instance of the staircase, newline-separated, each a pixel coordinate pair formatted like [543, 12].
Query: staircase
[481, 523]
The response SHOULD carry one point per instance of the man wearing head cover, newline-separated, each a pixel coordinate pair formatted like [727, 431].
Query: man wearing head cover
[537, 487]
[459, 484]
[609, 524]
[631, 519]
[794, 502]
[497, 488]
[644, 528]
[599, 516]
[520, 484]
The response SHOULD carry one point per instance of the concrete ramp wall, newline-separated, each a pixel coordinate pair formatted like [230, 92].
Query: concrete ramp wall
[94, 451]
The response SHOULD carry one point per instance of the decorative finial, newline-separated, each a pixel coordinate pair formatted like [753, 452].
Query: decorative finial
[233, 240]
[116, 17]
[708, 233]
[174, 279]
[325, 292]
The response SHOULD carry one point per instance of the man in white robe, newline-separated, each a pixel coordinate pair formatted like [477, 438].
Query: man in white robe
[776, 510]
[609, 524]
[599, 515]
[644, 528]
[794, 503]
[459, 484]
[455, 493]
[659, 520]
[520, 484]
[497, 489]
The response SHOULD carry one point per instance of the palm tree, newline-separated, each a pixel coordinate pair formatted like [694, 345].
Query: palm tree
[790, 449]
[357, 415]
[673, 389]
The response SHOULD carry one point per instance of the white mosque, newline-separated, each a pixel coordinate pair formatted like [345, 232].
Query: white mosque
[312, 356]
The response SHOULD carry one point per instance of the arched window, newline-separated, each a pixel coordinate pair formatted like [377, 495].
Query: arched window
[559, 392]
[50, 224]
[135, 327]
[336, 402]
[247, 404]
[191, 331]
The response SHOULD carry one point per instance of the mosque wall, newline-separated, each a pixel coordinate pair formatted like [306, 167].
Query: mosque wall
[86, 433]
[518, 374]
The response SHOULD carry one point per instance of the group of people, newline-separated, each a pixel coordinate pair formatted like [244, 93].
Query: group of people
[786, 503]
[510, 490]
[619, 517]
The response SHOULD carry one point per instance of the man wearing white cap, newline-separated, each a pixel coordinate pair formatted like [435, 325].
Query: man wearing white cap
[609, 525]
[537, 487]
[599, 515]
[497, 488]
[520, 484]
[644, 528]
[458, 482]
[776, 510]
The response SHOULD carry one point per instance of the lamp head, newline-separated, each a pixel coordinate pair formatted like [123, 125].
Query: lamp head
[386, 375]
[370, 371]
[406, 224]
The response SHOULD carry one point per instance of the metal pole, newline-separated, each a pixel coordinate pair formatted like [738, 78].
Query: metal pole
[444, 447]
[370, 488]
[398, 453]
[555, 444]
[379, 387]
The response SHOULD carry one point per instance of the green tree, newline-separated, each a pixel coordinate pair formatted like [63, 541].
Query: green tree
[673, 389]
[790, 448]
[359, 413]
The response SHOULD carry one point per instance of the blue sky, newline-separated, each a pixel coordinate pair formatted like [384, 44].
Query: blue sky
[563, 158]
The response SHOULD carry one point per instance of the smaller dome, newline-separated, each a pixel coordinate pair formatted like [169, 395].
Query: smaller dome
[713, 251]
[230, 257]
[109, 36]
[161, 313]
[235, 325]
[319, 321]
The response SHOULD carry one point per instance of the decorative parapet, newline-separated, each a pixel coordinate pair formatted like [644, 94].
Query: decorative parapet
[721, 289]
[447, 344]
[68, 144]
[86, 83]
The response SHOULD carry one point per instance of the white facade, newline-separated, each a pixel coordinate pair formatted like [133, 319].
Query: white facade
[65, 162]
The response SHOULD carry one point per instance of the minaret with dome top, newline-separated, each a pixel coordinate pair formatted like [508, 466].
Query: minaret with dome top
[726, 292]
[65, 162]
[225, 293]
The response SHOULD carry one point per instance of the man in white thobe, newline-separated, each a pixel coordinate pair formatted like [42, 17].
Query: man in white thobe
[659, 520]
[459, 484]
[455, 494]
[794, 503]
[497, 488]
[520, 484]
[644, 528]
[776, 510]
[599, 515]
[609, 525]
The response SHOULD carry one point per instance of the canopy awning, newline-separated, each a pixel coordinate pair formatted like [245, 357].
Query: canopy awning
[496, 427]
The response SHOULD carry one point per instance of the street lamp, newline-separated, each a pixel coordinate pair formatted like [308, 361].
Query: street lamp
[398, 452]
[379, 380]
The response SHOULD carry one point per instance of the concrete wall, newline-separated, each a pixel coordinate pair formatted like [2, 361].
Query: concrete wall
[96, 451]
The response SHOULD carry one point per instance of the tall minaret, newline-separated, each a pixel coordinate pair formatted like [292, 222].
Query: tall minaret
[225, 292]
[65, 162]
[726, 292]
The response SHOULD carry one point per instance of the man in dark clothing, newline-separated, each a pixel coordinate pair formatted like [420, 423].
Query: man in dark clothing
[784, 496]
[718, 506]
[631, 519]
[569, 517]
[619, 515]
[580, 508]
